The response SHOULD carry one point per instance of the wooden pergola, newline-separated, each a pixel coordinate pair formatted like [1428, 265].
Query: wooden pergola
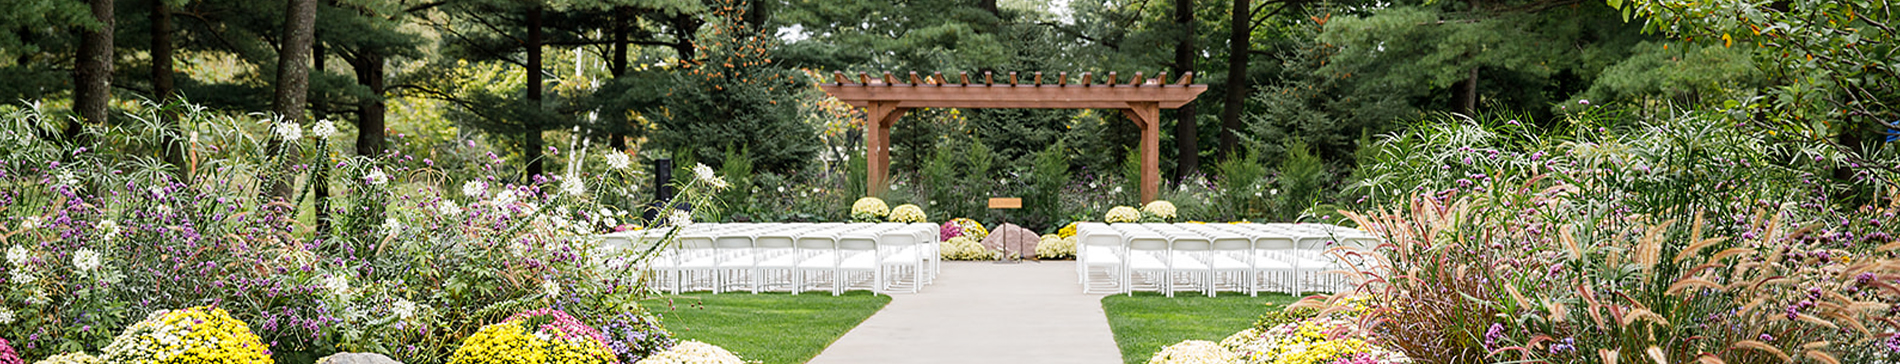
[887, 98]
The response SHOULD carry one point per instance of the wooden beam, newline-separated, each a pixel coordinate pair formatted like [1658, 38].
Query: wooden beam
[877, 141]
[913, 79]
[1186, 77]
[864, 79]
[1111, 79]
[939, 75]
[1062, 79]
[1038, 79]
[1086, 79]
[1160, 79]
[1169, 97]
[840, 77]
[1012, 78]
[1137, 81]
[965, 76]
[888, 80]
[987, 80]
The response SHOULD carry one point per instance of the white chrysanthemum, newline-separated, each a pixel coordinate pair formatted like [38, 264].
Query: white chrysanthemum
[338, 285]
[693, 351]
[376, 177]
[475, 189]
[573, 186]
[1194, 352]
[618, 160]
[552, 289]
[505, 198]
[324, 129]
[391, 225]
[86, 260]
[403, 308]
[6, 316]
[448, 208]
[680, 218]
[18, 255]
[109, 229]
[1160, 208]
[22, 277]
[288, 130]
[1122, 214]
[67, 178]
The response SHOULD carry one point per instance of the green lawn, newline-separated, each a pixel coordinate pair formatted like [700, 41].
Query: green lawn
[1147, 321]
[773, 328]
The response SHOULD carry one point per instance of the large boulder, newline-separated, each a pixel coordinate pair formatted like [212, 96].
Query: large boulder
[1014, 240]
[357, 358]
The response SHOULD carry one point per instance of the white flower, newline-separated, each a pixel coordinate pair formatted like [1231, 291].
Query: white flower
[573, 186]
[618, 160]
[86, 260]
[38, 297]
[21, 277]
[781, 189]
[448, 208]
[18, 255]
[6, 316]
[66, 178]
[680, 218]
[1275, 191]
[475, 189]
[391, 225]
[288, 130]
[158, 193]
[706, 175]
[505, 198]
[109, 229]
[1118, 189]
[30, 223]
[376, 177]
[403, 308]
[324, 129]
[553, 290]
[338, 285]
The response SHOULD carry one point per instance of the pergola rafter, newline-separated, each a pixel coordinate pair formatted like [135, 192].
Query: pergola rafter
[887, 98]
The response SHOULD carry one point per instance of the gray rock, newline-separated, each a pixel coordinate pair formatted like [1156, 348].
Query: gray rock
[1013, 239]
[357, 358]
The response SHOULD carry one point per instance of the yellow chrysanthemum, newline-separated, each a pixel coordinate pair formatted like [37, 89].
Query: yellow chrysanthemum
[1160, 209]
[869, 209]
[1122, 214]
[907, 213]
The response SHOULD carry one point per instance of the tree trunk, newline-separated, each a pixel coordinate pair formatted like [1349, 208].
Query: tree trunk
[532, 138]
[318, 54]
[684, 27]
[1465, 99]
[92, 79]
[162, 85]
[370, 111]
[990, 6]
[293, 79]
[616, 139]
[1237, 85]
[1186, 132]
[755, 14]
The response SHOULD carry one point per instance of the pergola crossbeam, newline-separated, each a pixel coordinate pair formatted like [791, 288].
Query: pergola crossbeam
[1141, 100]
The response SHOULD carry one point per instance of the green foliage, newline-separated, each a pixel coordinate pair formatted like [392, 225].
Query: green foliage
[1242, 186]
[855, 174]
[978, 183]
[1131, 177]
[939, 179]
[755, 327]
[737, 170]
[1145, 321]
[1302, 181]
[1050, 175]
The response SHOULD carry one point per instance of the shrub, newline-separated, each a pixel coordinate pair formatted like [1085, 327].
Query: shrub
[1158, 211]
[71, 358]
[193, 335]
[1050, 173]
[8, 356]
[1067, 231]
[970, 228]
[964, 248]
[908, 213]
[535, 337]
[1242, 192]
[1193, 352]
[869, 209]
[636, 335]
[1122, 214]
[693, 352]
[1054, 246]
[1302, 179]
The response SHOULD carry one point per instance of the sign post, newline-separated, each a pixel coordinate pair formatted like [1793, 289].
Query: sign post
[1007, 203]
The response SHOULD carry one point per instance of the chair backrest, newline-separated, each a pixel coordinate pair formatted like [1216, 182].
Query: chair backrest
[1274, 243]
[772, 242]
[1190, 244]
[1148, 243]
[733, 242]
[1232, 243]
[858, 242]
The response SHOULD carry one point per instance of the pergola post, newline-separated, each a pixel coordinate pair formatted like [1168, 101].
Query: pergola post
[1147, 115]
[877, 144]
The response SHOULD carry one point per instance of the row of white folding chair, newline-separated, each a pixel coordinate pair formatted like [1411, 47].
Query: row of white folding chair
[1307, 248]
[811, 255]
[1208, 255]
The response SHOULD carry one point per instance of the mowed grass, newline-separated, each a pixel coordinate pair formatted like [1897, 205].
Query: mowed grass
[773, 328]
[1146, 322]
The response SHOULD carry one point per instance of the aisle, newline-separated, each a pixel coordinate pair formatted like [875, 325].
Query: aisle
[982, 312]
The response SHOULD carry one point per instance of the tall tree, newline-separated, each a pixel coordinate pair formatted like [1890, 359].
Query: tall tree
[531, 139]
[92, 75]
[1239, 43]
[293, 59]
[1186, 132]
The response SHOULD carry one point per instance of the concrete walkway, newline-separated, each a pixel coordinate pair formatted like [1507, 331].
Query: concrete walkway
[982, 312]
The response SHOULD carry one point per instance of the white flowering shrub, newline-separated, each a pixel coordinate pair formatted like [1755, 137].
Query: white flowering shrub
[1054, 246]
[964, 248]
[693, 352]
[1194, 352]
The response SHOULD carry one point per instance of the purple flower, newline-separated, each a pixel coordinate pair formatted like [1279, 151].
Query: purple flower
[1491, 336]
